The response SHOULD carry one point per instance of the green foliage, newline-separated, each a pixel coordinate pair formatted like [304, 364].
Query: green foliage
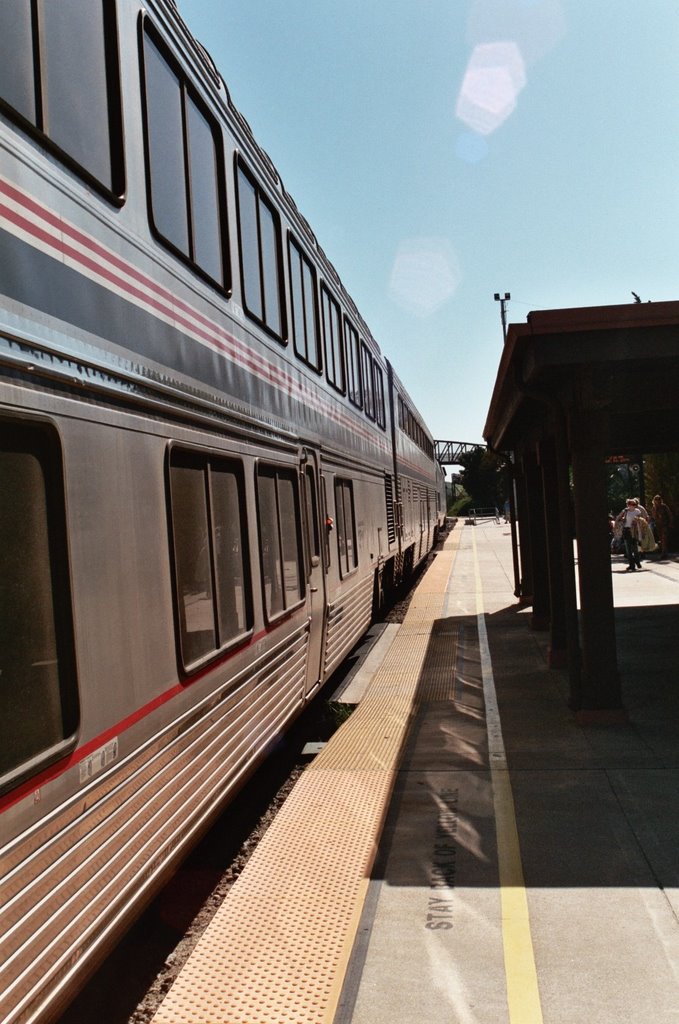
[618, 489]
[623, 483]
[661, 476]
[455, 493]
[459, 507]
[338, 712]
[484, 478]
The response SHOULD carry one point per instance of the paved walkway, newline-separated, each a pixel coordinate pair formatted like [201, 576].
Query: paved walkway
[529, 867]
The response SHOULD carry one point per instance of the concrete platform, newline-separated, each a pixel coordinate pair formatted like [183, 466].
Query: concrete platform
[587, 848]
[463, 851]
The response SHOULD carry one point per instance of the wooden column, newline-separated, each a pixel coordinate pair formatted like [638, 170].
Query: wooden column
[511, 484]
[538, 539]
[601, 698]
[525, 594]
[556, 529]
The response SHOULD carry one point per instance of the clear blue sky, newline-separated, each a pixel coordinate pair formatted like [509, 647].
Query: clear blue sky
[446, 150]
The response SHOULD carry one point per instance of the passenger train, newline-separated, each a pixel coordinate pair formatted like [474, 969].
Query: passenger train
[210, 475]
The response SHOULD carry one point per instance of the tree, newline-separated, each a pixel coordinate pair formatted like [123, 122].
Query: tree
[483, 478]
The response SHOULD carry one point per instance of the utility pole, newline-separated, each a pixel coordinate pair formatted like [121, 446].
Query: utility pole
[503, 313]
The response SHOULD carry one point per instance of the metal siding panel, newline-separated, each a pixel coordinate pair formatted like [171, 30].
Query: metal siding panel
[97, 865]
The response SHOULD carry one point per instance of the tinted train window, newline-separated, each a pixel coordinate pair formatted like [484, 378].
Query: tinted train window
[304, 306]
[259, 234]
[311, 502]
[279, 538]
[184, 160]
[334, 342]
[368, 382]
[212, 582]
[327, 522]
[380, 413]
[346, 526]
[353, 347]
[38, 701]
[59, 72]
[205, 185]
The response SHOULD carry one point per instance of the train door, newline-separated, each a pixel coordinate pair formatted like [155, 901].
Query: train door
[314, 568]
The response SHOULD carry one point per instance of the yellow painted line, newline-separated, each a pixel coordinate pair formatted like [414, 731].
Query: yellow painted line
[523, 995]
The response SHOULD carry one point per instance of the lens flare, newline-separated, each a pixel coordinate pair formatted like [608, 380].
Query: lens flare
[495, 76]
[425, 275]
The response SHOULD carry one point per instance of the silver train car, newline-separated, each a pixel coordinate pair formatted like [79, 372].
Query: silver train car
[209, 473]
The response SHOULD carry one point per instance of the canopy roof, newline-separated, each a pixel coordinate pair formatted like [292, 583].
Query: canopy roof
[621, 362]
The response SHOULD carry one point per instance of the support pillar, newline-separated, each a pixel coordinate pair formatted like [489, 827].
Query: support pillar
[540, 617]
[555, 528]
[525, 594]
[601, 697]
[511, 475]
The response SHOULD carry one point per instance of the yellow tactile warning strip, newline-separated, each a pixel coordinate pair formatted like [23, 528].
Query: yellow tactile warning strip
[277, 949]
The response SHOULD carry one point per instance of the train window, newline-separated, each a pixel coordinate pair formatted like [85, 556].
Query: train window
[59, 73]
[271, 275]
[304, 306]
[249, 248]
[210, 553]
[280, 539]
[328, 523]
[311, 505]
[346, 526]
[17, 73]
[335, 368]
[184, 162]
[368, 382]
[353, 347]
[380, 412]
[38, 701]
[166, 149]
[259, 233]
[204, 180]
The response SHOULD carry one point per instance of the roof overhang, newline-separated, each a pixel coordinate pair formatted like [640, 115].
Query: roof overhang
[620, 360]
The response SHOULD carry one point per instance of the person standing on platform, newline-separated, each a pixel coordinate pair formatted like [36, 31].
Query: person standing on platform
[662, 520]
[630, 535]
[641, 508]
[645, 535]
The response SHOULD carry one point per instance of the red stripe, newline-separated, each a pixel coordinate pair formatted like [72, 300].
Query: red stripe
[63, 227]
[83, 751]
[80, 753]
[167, 304]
